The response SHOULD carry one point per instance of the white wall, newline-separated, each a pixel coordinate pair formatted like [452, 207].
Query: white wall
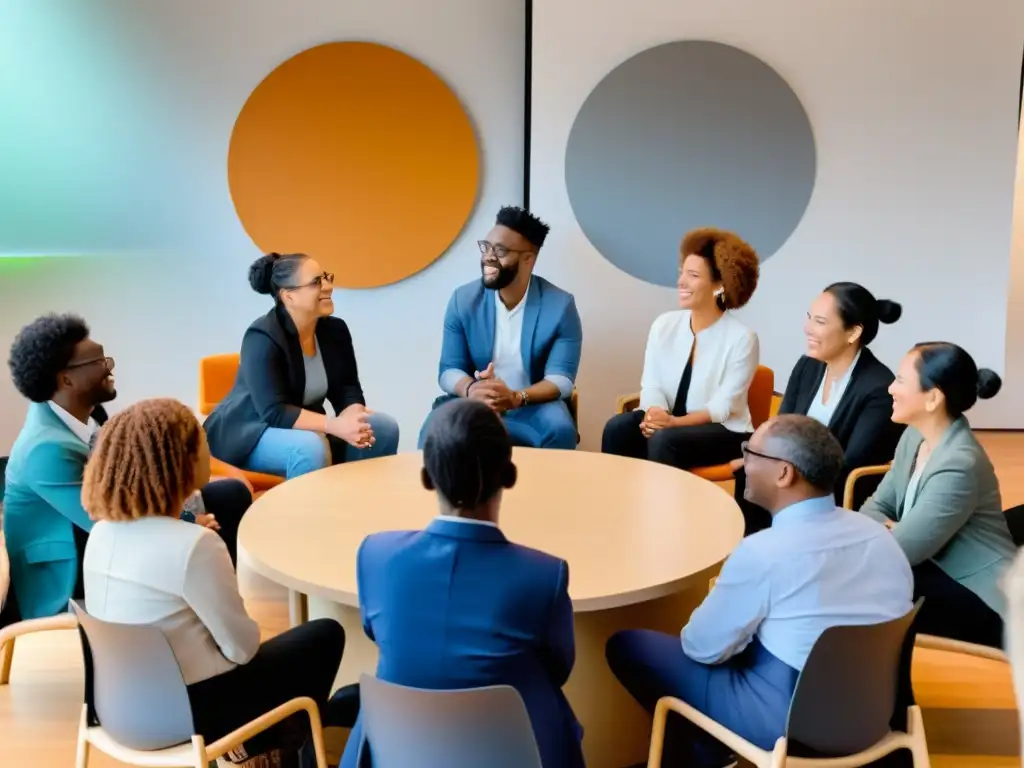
[915, 118]
[1011, 399]
[118, 116]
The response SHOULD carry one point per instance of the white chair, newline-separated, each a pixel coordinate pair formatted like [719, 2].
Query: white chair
[416, 728]
[137, 708]
[842, 707]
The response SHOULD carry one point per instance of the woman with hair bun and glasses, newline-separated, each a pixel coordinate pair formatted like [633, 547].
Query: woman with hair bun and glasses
[941, 497]
[699, 362]
[841, 384]
[145, 566]
[293, 359]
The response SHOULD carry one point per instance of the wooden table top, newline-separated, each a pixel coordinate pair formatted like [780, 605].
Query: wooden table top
[630, 530]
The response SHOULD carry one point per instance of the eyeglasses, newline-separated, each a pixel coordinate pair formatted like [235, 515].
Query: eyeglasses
[108, 362]
[500, 251]
[746, 450]
[317, 281]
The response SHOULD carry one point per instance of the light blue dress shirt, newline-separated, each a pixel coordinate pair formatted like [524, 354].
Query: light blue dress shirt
[816, 567]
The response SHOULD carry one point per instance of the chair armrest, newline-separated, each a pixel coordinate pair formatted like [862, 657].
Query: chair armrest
[627, 403]
[245, 732]
[736, 743]
[857, 474]
[959, 646]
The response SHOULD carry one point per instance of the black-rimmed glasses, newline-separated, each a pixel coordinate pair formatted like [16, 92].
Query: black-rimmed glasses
[317, 281]
[747, 451]
[107, 361]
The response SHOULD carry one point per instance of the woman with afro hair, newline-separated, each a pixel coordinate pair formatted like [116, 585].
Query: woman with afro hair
[699, 362]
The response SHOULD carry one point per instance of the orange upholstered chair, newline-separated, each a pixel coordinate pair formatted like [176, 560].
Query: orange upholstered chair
[216, 377]
[759, 400]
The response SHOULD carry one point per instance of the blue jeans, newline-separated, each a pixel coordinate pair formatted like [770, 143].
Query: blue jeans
[548, 425]
[749, 694]
[294, 452]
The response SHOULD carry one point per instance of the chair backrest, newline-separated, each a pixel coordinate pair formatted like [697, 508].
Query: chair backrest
[133, 684]
[846, 696]
[216, 378]
[759, 396]
[445, 729]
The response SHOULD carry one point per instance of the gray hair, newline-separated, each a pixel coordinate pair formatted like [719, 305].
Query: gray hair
[809, 446]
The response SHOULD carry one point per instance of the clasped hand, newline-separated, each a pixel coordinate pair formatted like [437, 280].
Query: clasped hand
[491, 390]
[654, 419]
[353, 426]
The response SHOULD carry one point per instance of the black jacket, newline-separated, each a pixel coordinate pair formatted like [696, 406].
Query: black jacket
[271, 381]
[862, 421]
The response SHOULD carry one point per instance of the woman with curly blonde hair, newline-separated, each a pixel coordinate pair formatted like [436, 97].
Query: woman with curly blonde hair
[145, 566]
[699, 362]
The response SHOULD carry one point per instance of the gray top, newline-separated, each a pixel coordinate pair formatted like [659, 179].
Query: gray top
[316, 379]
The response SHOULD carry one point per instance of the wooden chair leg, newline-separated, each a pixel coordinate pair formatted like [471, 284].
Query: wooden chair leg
[779, 753]
[657, 736]
[6, 658]
[82, 750]
[317, 730]
[918, 742]
[199, 752]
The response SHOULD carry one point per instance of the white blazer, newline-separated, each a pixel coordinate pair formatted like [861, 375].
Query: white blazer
[176, 576]
[724, 366]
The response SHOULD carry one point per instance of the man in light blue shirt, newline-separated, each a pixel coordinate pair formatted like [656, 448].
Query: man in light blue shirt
[743, 649]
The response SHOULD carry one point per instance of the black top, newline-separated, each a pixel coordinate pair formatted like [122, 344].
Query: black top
[271, 382]
[679, 409]
[862, 421]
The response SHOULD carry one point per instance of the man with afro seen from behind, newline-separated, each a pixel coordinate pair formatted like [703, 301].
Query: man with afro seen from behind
[67, 377]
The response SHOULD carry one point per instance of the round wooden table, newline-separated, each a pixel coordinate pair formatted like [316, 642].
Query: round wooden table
[641, 539]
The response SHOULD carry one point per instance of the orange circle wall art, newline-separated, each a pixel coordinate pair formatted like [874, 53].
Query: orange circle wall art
[358, 155]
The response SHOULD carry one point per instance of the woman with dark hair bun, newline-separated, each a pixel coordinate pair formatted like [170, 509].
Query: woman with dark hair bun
[294, 359]
[460, 606]
[941, 497]
[841, 384]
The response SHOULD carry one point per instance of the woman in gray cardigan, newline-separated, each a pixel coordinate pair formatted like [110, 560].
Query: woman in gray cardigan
[941, 497]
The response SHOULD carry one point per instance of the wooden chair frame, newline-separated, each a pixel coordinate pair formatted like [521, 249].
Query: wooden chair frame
[27, 627]
[197, 753]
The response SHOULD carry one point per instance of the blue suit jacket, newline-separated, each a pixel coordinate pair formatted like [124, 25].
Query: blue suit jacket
[552, 332]
[42, 507]
[459, 606]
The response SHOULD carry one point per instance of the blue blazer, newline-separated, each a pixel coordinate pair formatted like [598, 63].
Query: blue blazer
[459, 606]
[552, 333]
[42, 509]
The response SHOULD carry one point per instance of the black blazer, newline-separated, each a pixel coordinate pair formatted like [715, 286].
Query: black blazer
[862, 421]
[271, 382]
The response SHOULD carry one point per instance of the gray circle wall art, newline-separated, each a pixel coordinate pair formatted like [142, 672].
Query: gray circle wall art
[688, 134]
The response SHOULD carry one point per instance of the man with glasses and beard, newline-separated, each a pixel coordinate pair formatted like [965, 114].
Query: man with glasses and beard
[512, 339]
[817, 566]
[67, 377]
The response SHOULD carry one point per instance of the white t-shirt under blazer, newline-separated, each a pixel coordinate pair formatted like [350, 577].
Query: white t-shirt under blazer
[724, 366]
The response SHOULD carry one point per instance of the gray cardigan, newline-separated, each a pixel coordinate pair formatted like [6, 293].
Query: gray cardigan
[957, 518]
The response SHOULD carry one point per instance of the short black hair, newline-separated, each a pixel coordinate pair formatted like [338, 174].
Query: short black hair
[41, 350]
[467, 453]
[950, 369]
[525, 223]
[809, 446]
[856, 305]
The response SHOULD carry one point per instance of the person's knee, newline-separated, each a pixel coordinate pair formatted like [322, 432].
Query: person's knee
[385, 434]
[617, 650]
[617, 431]
[660, 447]
[559, 430]
[308, 452]
[234, 496]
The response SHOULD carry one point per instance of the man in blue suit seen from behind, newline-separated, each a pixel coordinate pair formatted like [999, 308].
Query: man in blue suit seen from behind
[512, 339]
[460, 606]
